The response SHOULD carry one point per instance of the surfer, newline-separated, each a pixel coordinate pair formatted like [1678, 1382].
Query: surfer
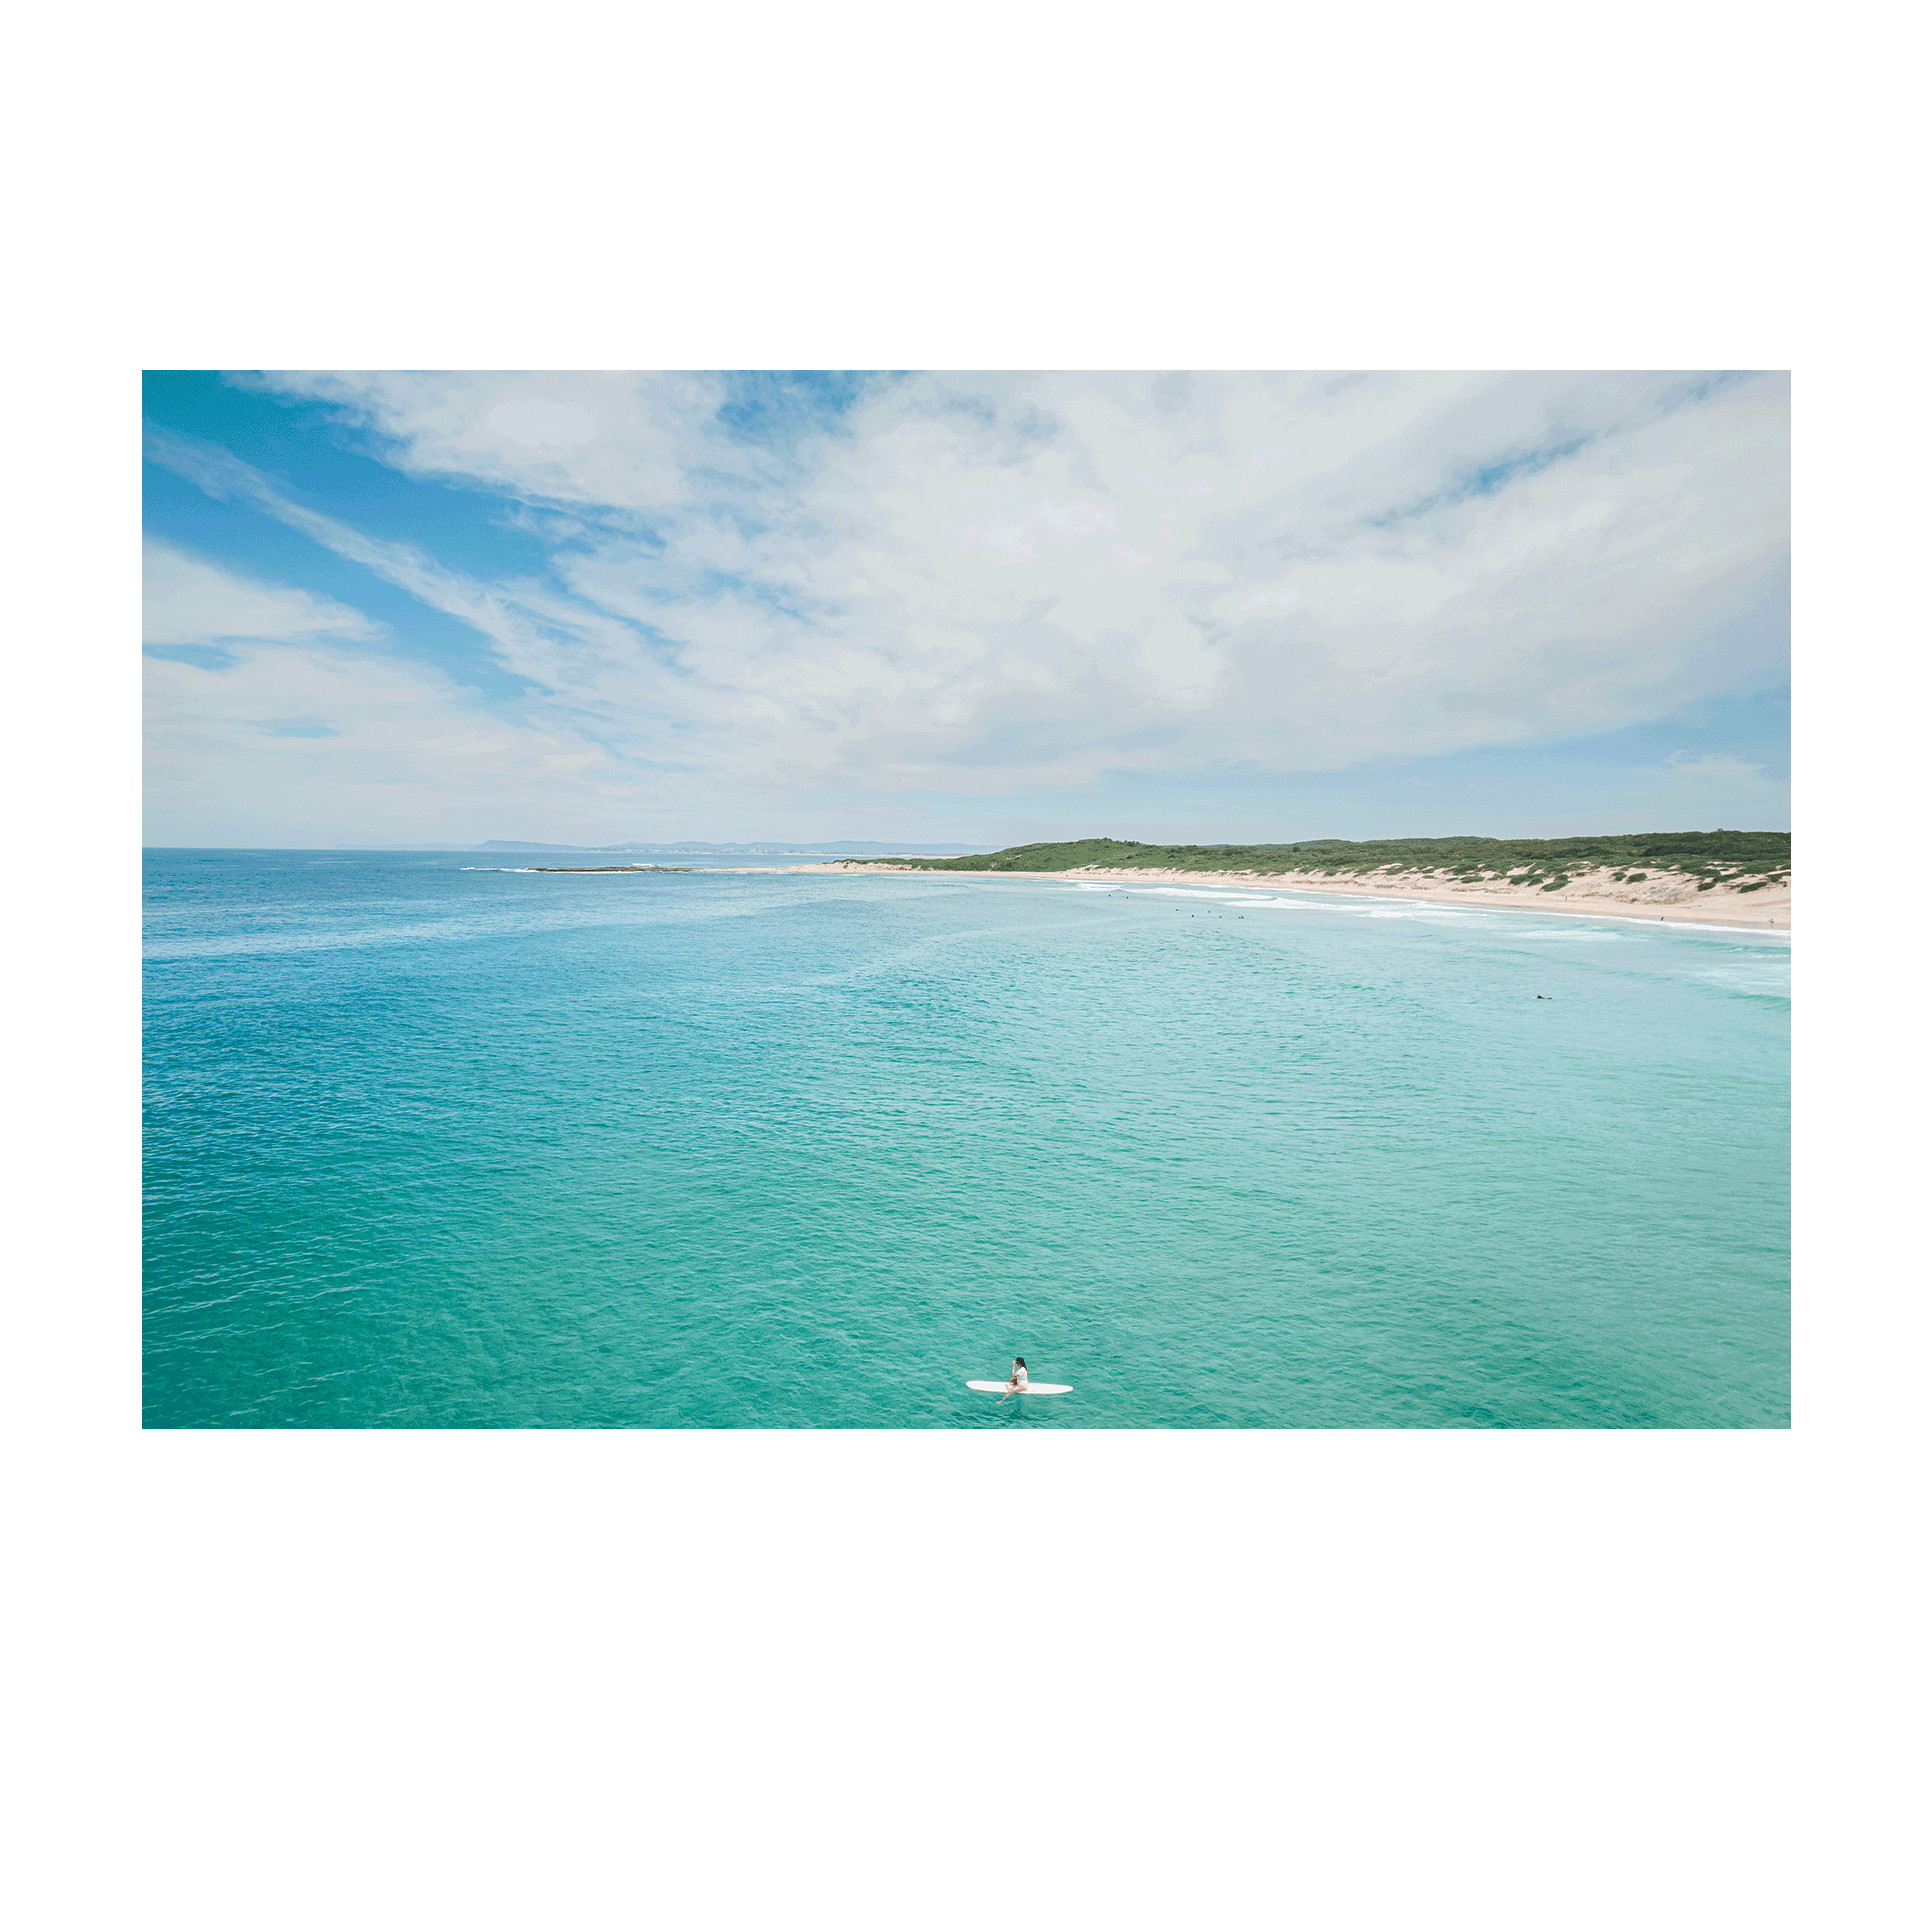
[1017, 1379]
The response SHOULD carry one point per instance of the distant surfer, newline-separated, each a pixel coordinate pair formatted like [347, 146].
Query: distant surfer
[1017, 1379]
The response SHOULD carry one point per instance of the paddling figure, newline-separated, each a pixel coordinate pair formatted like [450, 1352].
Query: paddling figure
[1017, 1379]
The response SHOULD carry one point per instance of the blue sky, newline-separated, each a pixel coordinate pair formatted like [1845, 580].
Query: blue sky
[985, 608]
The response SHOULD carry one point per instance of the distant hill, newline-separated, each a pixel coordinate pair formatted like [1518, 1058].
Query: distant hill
[1708, 857]
[843, 847]
[455, 846]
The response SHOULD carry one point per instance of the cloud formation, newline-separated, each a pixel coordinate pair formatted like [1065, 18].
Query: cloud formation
[189, 603]
[276, 717]
[978, 585]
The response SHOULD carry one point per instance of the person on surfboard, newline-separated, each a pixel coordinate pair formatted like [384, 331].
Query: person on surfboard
[1017, 1380]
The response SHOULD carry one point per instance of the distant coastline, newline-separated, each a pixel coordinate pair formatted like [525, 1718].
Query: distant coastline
[1722, 878]
[1770, 909]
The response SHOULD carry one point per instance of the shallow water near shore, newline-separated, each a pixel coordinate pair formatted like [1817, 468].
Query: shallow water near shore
[428, 1146]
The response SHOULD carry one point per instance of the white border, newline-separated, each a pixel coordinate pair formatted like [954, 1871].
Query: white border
[1336, 1674]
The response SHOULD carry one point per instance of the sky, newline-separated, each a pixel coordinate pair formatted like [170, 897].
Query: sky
[986, 608]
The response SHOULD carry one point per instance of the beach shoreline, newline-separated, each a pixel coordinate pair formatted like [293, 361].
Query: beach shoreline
[1589, 896]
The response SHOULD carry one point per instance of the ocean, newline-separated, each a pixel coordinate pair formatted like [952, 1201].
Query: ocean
[434, 1144]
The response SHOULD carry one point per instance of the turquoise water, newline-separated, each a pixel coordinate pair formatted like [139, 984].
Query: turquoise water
[429, 1146]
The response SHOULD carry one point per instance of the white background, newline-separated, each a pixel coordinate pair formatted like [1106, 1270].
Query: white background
[903, 1674]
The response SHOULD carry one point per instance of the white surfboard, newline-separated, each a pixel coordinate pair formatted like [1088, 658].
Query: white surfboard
[1000, 1386]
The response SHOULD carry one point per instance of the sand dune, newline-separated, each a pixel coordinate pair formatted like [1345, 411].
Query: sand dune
[1657, 896]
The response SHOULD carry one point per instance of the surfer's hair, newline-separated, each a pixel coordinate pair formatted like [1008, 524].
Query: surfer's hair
[1017, 1361]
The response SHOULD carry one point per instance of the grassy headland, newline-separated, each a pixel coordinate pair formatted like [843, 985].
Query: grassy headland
[1743, 862]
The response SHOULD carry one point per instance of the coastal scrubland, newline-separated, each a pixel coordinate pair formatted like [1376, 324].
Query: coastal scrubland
[1724, 874]
[1708, 859]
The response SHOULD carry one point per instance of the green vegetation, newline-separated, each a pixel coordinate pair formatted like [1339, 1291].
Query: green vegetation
[1707, 858]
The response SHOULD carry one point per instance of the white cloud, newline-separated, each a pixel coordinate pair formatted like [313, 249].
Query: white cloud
[975, 584]
[313, 730]
[1718, 789]
[593, 439]
[189, 602]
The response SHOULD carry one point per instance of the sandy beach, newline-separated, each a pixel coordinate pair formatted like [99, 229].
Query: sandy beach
[1659, 896]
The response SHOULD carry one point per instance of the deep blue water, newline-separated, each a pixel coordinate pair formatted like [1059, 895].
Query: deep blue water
[429, 1146]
